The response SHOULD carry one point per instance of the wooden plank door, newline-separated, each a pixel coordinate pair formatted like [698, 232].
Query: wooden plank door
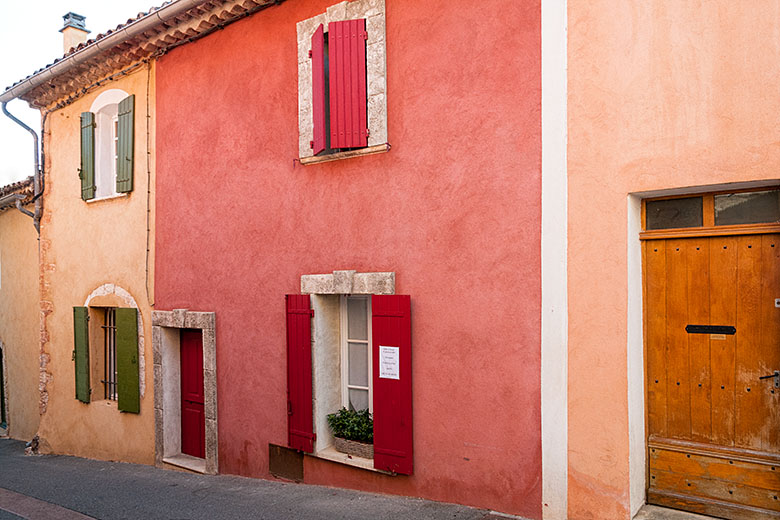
[193, 419]
[713, 424]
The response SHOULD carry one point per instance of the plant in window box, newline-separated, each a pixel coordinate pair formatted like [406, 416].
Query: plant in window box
[354, 432]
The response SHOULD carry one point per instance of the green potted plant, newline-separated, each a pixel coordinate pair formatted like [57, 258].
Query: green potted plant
[354, 432]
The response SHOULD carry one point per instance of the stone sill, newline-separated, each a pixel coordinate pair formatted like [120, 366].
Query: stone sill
[110, 197]
[188, 462]
[371, 150]
[330, 453]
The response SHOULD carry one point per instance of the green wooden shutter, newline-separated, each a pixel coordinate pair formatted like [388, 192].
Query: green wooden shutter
[81, 352]
[124, 159]
[127, 360]
[87, 170]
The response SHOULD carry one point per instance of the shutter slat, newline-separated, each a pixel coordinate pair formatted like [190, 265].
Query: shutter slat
[125, 145]
[391, 327]
[81, 352]
[348, 101]
[300, 422]
[318, 89]
[87, 169]
[129, 399]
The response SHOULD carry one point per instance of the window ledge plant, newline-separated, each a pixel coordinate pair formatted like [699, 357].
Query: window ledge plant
[354, 432]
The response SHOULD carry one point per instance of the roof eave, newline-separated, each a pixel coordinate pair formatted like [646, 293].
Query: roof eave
[133, 29]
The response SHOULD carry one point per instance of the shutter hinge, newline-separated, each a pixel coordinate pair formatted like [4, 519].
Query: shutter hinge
[310, 53]
[289, 407]
[311, 312]
[368, 131]
[311, 145]
[73, 356]
[365, 35]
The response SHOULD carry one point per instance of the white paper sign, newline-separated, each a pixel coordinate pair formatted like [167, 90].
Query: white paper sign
[389, 362]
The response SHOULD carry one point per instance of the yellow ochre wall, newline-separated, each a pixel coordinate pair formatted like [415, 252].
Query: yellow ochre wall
[19, 324]
[661, 95]
[85, 246]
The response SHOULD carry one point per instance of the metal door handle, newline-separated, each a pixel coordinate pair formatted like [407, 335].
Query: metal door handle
[776, 377]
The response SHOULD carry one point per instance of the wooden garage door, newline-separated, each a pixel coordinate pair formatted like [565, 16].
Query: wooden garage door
[713, 424]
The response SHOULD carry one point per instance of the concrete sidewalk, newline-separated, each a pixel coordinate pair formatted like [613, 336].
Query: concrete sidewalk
[64, 488]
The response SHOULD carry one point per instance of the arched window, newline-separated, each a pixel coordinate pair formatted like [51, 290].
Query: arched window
[107, 146]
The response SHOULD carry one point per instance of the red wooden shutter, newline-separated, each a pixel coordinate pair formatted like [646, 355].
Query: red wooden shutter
[318, 89]
[300, 425]
[347, 64]
[392, 329]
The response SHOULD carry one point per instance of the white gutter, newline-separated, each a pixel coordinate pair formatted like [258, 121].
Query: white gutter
[176, 8]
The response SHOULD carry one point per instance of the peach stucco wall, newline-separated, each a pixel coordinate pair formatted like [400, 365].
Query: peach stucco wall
[19, 320]
[661, 95]
[86, 245]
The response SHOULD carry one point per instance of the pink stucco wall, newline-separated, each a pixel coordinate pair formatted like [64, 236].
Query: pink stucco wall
[661, 95]
[453, 209]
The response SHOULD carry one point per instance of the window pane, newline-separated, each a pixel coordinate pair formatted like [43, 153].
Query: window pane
[674, 213]
[356, 315]
[747, 208]
[358, 364]
[358, 399]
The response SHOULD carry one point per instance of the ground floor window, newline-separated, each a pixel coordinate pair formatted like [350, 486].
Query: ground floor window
[349, 347]
[355, 335]
[109, 353]
[105, 352]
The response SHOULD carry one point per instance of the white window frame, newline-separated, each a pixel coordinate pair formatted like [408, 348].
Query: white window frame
[345, 341]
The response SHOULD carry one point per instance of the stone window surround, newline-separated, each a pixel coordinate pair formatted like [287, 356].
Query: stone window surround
[326, 291]
[167, 388]
[376, 66]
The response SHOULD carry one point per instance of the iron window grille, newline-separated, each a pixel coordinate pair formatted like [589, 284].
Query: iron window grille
[109, 354]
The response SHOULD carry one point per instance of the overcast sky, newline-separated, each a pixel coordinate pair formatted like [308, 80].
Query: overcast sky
[29, 40]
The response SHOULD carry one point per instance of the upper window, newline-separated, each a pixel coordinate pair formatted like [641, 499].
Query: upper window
[338, 65]
[107, 146]
[342, 105]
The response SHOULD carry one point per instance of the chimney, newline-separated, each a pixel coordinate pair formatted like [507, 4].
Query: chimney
[74, 31]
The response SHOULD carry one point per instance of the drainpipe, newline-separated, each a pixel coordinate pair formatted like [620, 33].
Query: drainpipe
[37, 177]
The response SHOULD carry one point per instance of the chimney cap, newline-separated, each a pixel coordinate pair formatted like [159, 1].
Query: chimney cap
[76, 21]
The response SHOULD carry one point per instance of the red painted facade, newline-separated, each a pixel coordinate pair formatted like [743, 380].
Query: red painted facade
[454, 209]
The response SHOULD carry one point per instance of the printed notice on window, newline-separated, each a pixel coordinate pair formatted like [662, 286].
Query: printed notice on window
[389, 362]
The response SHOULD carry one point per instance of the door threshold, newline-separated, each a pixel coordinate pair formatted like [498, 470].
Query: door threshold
[648, 512]
[188, 462]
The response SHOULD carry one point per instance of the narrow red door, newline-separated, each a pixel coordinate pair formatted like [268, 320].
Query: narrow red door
[193, 419]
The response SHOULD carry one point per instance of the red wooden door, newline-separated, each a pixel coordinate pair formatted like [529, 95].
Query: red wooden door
[193, 419]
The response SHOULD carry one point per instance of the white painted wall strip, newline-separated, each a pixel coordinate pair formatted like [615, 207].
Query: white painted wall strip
[554, 250]
[636, 360]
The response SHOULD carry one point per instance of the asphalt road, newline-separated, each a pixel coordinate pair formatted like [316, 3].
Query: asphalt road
[34, 486]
